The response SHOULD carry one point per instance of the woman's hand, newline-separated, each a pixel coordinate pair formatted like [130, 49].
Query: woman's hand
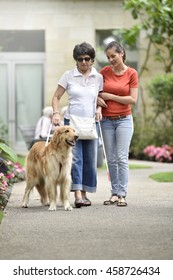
[98, 116]
[101, 102]
[56, 120]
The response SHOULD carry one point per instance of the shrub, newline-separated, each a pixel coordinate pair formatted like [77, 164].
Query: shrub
[147, 134]
[3, 190]
[161, 154]
[3, 131]
[161, 90]
[7, 153]
[12, 173]
[156, 129]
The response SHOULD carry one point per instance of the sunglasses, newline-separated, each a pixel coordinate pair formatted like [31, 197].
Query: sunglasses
[80, 59]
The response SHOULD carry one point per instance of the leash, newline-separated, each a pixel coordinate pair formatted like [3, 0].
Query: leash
[48, 136]
[50, 128]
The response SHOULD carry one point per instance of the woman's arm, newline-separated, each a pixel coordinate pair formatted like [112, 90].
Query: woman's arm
[101, 102]
[98, 113]
[130, 99]
[55, 104]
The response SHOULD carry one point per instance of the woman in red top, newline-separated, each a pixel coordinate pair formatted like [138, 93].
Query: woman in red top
[120, 91]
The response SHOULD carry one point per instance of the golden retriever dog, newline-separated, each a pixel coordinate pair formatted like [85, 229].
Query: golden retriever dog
[48, 166]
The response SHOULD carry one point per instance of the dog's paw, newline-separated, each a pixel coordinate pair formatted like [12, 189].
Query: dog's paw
[68, 208]
[24, 206]
[52, 208]
[47, 204]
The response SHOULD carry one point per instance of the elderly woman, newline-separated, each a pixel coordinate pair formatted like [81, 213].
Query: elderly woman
[43, 124]
[82, 84]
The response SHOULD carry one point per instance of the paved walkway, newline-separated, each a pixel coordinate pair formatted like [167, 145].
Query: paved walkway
[143, 230]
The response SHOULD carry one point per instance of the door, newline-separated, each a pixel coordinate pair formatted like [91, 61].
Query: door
[22, 93]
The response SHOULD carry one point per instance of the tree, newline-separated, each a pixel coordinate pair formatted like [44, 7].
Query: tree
[155, 17]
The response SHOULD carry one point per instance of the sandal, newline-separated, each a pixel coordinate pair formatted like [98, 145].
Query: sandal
[110, 201]
[121, 201]
[86, 201]
[79, 202]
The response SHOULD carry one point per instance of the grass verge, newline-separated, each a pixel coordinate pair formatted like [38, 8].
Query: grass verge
[1, 215]
[131, 166]
[138, 166]
[162, 177]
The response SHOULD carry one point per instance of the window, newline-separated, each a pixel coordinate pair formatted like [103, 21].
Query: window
[103, 37]
[22, 41]
[21, 80]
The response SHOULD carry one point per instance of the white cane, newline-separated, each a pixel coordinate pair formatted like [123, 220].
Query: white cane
[48, 136]
[104, 152]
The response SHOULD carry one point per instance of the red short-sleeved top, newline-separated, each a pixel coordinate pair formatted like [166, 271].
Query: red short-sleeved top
[118, 85]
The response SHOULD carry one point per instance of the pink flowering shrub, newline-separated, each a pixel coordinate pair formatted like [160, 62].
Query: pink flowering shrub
[13, 173]
[16, 172]
[161, 154]
[3, 190]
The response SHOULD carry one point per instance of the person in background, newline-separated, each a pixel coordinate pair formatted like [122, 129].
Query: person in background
[82, 84]
[120, 91]
[43, 124]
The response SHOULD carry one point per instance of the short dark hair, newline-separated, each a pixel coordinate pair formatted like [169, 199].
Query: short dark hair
[118, 48]
[82, 49]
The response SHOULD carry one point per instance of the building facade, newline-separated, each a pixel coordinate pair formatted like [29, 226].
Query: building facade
[36, 42]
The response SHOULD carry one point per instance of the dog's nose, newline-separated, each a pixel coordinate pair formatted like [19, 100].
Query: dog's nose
[76, 137]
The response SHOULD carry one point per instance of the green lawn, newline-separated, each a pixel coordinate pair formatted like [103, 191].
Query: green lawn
[1, 215]
[21, 160]
[131, 166]
[159, 177]
[162, 177]
[138, 166]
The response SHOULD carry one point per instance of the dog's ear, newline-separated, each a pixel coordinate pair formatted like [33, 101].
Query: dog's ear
[55, 138]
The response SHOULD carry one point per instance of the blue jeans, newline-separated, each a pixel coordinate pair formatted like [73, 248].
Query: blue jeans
[84, 165]
[117, 135]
